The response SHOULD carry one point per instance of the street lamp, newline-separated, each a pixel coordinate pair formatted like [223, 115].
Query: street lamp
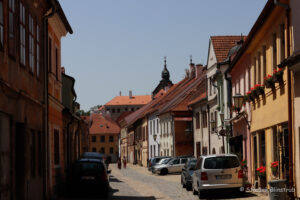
[154, 137]
[238, 100]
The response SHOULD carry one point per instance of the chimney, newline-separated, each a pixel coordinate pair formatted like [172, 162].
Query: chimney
[120, 93]
[192, 70]
[199, 69]
[130, 94]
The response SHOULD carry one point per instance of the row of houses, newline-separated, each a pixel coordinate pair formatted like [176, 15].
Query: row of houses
[243, 101]
[40, 133]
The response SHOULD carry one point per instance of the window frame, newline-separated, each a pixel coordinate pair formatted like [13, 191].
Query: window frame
[22, 34]
[31, 34]
[1, 26]
[56, 147]
[12, 28]
[38, 51]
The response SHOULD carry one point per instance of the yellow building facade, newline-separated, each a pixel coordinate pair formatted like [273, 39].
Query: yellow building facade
[269, 111]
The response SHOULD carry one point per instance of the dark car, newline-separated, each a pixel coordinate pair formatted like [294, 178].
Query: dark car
[89, 176]
[94, 155]
[187, 172]
[154, 161]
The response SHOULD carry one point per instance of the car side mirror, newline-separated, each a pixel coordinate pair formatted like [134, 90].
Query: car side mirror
[108, 171]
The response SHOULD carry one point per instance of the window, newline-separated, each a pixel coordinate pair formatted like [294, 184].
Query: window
[197, 120]
[102, 138]
[254, 74]
[150, 127]
[102, 150]
[210, 88]
[258, 68]
[264, 66]
[56, 63]
[111, 138]
[56, 147]
[274, 51]
[118, 110]
[204, 119]
[31, 44]
[93, 138]
[113, 110]
[11, 28]
[151, 151]
[94, 149]
[1, 24]
[50, 54]
[275, 144]
[282, 43]
[153, 126]
[111, 150]
[22, 35]
[157, 125]
[249, 79]
[32, 153]
[38, 70]
[132, 109]
[154, 150]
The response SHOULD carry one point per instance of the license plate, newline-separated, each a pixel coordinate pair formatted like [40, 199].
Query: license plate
[227, 176]
[87, 177]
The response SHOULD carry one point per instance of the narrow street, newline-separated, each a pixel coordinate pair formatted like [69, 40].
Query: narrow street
[136, 183]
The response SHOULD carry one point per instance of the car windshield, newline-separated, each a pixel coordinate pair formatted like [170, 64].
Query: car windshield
[221, 162]
[164, 161]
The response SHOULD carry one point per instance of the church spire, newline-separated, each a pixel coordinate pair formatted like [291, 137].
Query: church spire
[165, 75]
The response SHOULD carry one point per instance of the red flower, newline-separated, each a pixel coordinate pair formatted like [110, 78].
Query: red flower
[248, 92]
[274, 164]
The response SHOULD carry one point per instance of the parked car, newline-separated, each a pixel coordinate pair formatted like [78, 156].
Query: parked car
[154, 161]
[217, 173]
[187, 172]
[163, 161]
[94, 155]
[89, 176]
[175, 165]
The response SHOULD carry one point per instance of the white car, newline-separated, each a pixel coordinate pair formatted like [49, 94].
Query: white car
[174, 165]
[217, 172]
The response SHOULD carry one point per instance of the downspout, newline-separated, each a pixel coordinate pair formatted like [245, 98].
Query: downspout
[209, 126]
[45, 41]
[229, 102]
[290, 113]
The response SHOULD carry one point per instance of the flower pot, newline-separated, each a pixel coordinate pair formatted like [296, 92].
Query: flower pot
[278, 77]
[263, 182]
[260, 91]
[269, 83]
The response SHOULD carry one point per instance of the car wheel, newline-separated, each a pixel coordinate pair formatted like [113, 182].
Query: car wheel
[201, 194]
[164, 171]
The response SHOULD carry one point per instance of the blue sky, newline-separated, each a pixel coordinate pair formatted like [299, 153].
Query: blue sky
[119, 45]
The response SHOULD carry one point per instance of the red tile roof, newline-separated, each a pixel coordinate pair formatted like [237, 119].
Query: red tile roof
[125, 100]
[103, 125]
[181, 101]
[222, 45]
[199, 98]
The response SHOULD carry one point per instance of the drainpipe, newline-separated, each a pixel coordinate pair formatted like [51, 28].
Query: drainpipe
[45, 47]
[290, 113]
[209, 126]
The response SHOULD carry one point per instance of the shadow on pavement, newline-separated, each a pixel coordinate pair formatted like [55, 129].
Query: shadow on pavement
[132, 198]
[113, 179]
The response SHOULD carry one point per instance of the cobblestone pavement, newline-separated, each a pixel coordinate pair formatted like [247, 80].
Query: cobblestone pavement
[165, 187]
[137, 183]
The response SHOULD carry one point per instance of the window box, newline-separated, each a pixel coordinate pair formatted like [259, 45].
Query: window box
[278, 75]
[259, 90]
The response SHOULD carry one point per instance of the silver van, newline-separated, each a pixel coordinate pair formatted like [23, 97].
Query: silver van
[174, 165]
[217, 172]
